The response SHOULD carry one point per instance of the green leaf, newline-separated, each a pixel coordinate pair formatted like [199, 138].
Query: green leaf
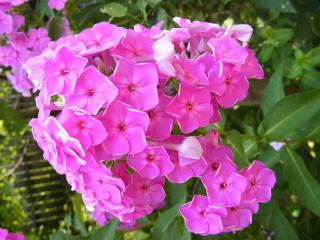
[310, 79]
[313, 57]
[313, 131]
[114, 9]
[177, 192]
[272, 218]
[105, 233]
[154, 3]
[63, 236]
[142, 4]
[78, 217]
[266, 52]
[277, 5]
[274, 90]
[270, 157]
[289, 113]
[162, 16]
[164, 221]
[43, 9]
[300, 180]
[12, 121]
[234, 139]
[56, 27]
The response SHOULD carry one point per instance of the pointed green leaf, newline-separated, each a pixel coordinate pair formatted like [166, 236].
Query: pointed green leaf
[300, 180]
[274, 90]
[313, 131]
[105, 233]
[234, 140]
[114, 9]
[164, 221]
[290, 113]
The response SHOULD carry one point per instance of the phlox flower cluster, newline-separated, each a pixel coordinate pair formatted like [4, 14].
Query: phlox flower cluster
[57, 4]
[6, 235]
[118, 114]
[17, 46]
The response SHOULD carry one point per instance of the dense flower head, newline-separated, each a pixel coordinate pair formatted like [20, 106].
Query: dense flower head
[120, 112]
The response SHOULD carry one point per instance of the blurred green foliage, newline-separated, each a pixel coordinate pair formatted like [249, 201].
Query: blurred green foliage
[285, 107]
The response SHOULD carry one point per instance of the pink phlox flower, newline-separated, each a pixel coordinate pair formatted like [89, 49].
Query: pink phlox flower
[18, 40]
[84, 127]
[121, 170]
[231, 87]
[251, 67]
[57, 4]
[160, 123]
[17, 21]
[63, 152]
[137, 84]
[215, 157]
[190, 71]
[92, 91]
[239, 217]
[126, 128]
[145, 192]
[224, 187]
[201, 218]
[100, 37]
[134, 45]
[152, 162]
[62, 72]
[38, 39]
[191, 107]
[153, 32]
[261, 180]
[5, 23]
[241, 32]
[20, 81]
[228, 50]
[182, 173]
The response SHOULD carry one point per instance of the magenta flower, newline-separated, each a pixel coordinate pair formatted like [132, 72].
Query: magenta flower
[190, 71]
[19, 41]
[201, 218]
[160, 123]
[93, 90]
[225, 187]
[191, 107]
[134, 45]
[57, 4]
[239, 217]
[38, 39]
[229, 88]
[84, 127]
[228, 50]
[100, 37]
[62, 72]
[252, 68]
[152, 162]
[137, 84]
[17, 21]
[215, 157]
[261, 180]
[6, 235]
[145, 192]
[126, 128]
[182, 173]
[63, 152]
[5, 23]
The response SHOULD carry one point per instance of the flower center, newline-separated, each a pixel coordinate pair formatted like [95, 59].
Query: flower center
[215, 166]
[253, 182]
[132, 88]
[82, 124]
[228, 82]
[64, 72]
[189, 106]
[223, 185]
[122, 126]
[151, 114]
[150, 157]
[203, 213]
[91, 92]
[145, 187]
